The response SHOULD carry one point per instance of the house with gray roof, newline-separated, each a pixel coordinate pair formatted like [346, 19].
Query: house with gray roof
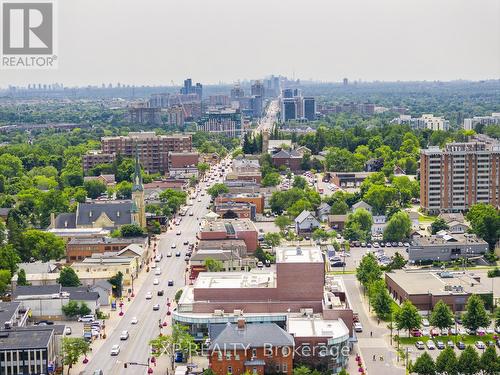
[306, 222]
[108, 215]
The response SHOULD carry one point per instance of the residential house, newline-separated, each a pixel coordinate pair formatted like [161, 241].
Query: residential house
[362, 204]
[323, 211]
[256, 348]
[106, 179]
[288, 159]
[306, 222]
[337, 222]
[379, 224]
[105, 291]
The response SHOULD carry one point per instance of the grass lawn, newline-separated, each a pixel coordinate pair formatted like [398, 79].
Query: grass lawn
[467, 339]
[426, 219]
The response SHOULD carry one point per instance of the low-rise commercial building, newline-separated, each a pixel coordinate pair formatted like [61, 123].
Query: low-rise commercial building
[425, 288]
[232, 210]
[231, 229]
[80, 248]
[253, 198]
[110, 265]
[446, 247]
[351, 180]
[245, 170]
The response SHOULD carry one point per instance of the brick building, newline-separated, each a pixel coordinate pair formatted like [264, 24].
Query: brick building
[245, 170]
[253, 348]
[231, 229]
[182, 159]
[94, 157]
[288, 159]
[153, 149]
[232, 210]
[460, 175]
[256, 199]
[81, 248]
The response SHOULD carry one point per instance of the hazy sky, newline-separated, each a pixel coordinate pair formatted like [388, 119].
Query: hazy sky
[156, 41]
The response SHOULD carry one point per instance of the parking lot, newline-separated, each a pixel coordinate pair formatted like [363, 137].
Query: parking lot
[353, 257]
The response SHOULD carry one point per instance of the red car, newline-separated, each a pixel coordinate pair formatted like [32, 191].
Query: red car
[416, 333]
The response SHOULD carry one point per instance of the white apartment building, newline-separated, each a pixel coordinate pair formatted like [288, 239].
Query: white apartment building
[471, 123]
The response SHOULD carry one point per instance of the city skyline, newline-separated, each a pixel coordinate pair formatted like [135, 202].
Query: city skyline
[161, 42]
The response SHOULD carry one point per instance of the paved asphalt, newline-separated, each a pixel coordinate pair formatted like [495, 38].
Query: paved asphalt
[136, 348]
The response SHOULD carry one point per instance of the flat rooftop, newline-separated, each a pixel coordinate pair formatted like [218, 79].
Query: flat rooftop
[298, 254]
[454, 282]
[317, 327]
[23, 339]
[465, 239]
[7, 310]
[236, 280]
[229, 226]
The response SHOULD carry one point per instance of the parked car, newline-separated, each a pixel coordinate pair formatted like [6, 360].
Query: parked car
[115, 349]
[425, 322]
[440, 345]
[480, 345]
[460, 345]
[86, 318]
[426, 332]
[338, 264]
[124, 335]
[415, 332]
[358, 327]
[431, 345]
[450, 344]
[420, 345]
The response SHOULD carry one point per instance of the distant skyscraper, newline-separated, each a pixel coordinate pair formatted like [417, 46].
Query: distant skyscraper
[288, 110]
[237, 92]
[190, 89]
[309, 108]
[287, 93]
[222, 121]
[345, 81]
[258, 89]
[256, 105]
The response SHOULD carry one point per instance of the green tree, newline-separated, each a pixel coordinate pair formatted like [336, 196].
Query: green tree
[9, 258]
[446, 362]
[485, 222]
[475, 315]
[490, 363]
[5, 277]
[72, 349]
[319, 234]
[283, 222]
[41, 245]
[178, 340]
[407, 317]
[302, 370]
[339, 208]
[272, 239]
[438, 225]
[123, 190]
[468, 362]
[380, 299]
[95, 188]
[379, 197]
[84, 309]
[131, 230]
[71, 309]
[271, 179]
[21, 277]
[299, 182]
[213, 265]
[368, 270]
[397, 262]
[497, 317]
[441, 316]
[125, 169]
[203, 168]
[297, 207]
[72, 174]
[217, 189]
[424, 365]
[358, 225]
[117, 282]
[10, 166]
[68, 277]
[398, 228]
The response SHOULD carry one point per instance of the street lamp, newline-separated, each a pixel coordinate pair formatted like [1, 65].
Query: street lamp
[132, 294]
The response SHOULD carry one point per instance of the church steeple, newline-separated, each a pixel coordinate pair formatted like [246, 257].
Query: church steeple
[138, 204]
[137, 184]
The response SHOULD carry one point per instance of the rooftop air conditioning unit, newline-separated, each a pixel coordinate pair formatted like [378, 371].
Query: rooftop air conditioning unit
[238, 312]
[218, 312]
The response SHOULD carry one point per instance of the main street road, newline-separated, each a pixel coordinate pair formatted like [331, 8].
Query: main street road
[266, 122]
[136, 348]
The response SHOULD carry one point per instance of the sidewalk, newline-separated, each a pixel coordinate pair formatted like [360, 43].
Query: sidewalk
[112, 321]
